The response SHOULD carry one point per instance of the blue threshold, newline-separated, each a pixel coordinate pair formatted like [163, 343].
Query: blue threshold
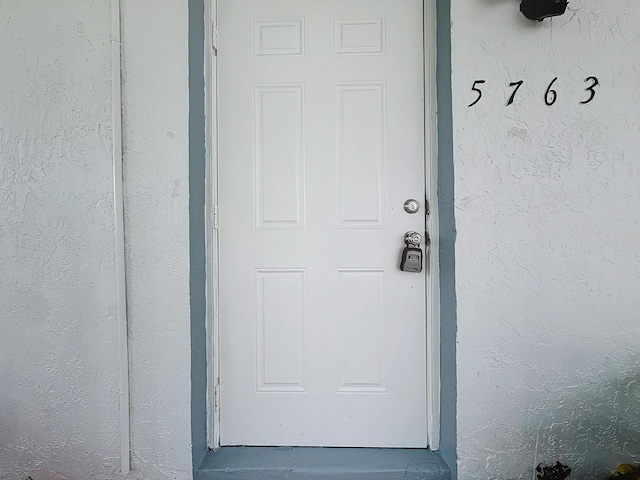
[312, 463]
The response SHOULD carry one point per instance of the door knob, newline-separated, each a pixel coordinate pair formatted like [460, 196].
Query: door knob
[413, 238]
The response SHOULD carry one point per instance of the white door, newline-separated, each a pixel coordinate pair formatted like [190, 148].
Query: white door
[320, 142]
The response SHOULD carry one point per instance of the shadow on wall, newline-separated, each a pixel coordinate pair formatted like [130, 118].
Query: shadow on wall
[592, 428]
[517, 15]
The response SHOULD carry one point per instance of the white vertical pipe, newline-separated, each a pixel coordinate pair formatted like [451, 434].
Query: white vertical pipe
[118, 203]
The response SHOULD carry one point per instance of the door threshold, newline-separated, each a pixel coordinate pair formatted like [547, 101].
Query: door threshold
[322, 463]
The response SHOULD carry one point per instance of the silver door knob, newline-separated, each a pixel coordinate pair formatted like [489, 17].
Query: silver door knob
[411, 206]
[413, 238]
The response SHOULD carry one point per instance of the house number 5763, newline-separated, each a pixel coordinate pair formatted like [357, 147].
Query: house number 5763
[550, 94]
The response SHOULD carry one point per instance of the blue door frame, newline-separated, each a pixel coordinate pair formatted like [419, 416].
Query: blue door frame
[197, 235]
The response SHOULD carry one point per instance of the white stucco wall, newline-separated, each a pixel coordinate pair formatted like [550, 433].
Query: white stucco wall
[547, 264]
[58, 346]
[156, 154]
[547, 261]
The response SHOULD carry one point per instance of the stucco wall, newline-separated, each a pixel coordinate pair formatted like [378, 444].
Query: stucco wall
[155, 117]
[546, 212]
[58, 346]
[547, 264]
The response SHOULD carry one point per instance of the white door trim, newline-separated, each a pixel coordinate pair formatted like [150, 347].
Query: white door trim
[433, 270]
[431, 184]
[211, 230]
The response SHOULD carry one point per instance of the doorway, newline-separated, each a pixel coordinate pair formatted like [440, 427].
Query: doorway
[321, 139]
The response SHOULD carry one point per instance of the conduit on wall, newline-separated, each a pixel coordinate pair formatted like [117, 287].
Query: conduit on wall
[118, 204]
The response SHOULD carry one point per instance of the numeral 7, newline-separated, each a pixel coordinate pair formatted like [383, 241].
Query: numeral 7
[515, 90]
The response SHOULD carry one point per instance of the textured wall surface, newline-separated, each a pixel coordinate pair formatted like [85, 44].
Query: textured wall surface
[547, 264]
[58, 345]
[156, 94]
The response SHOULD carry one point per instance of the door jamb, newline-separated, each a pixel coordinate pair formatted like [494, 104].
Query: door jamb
[211, 221]
[212, 245]
[431, 186]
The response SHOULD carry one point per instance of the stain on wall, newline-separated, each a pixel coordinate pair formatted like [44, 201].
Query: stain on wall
[547, 264]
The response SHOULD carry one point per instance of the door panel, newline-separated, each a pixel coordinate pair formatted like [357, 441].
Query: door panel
[321, 141]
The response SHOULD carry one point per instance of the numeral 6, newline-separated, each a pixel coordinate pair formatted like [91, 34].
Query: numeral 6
[550, 96]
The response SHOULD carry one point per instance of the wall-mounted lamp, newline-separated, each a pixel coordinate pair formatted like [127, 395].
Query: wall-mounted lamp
[541, 9]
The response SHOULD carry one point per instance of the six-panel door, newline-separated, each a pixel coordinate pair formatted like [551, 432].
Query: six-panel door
[321, 141]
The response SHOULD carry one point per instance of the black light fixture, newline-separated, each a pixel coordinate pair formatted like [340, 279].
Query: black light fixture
[541, 9]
